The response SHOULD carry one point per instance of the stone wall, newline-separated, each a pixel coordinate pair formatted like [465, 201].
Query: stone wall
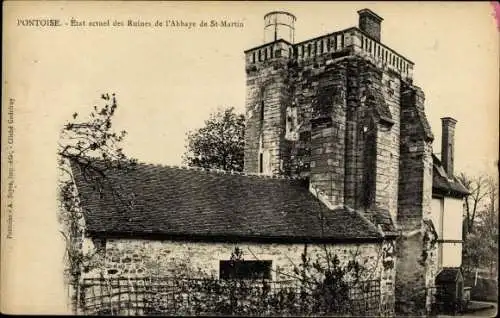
[348, 156]
[328, 125]
[391, 88]
[417, 254]
[266, 103]
[359, 132]
[415, 169]
[142, 258]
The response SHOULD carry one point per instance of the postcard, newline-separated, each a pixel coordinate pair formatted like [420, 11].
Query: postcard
[249, 158]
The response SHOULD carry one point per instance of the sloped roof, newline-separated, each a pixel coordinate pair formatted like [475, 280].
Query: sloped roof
[443, 184]
[448, 275]
[161, 200]
[383, 218]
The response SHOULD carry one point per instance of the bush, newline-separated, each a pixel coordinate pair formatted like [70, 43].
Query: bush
[485, 290]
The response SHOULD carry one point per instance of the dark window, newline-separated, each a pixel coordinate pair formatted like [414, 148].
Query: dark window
[253, 57]
[245, 269]
[261, 163]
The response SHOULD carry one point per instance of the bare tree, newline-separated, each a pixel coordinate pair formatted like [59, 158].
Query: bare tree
[95, 148]
[481, 225]
[479, 188]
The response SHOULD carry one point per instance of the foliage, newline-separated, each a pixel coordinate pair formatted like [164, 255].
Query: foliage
[480, 188]
[317, 290]
[328, 280]
[429, 240]
[219, 144]
[480, 248]
[95, 147]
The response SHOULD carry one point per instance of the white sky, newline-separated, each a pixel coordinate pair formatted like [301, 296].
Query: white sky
[169, 80]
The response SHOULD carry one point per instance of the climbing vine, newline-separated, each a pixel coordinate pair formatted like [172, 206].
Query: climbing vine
[429, 241]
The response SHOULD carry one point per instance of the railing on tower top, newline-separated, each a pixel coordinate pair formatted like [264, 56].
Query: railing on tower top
[352, 39]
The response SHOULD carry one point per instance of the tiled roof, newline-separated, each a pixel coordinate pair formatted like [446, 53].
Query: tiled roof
[161, 200]
[443, 184]
[383, 218]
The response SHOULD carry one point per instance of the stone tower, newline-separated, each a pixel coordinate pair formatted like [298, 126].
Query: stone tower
[341, 110]
[268, 95]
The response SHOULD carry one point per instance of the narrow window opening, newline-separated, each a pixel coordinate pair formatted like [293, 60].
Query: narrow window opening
[261, 163]
[261, 111]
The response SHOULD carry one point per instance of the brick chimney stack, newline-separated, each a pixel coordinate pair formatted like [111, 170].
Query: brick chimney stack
[448, 144]
[369, 22]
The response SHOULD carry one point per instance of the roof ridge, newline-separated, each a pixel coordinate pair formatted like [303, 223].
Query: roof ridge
[221, 171]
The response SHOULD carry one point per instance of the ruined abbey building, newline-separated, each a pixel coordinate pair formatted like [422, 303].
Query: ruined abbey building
[342, 111]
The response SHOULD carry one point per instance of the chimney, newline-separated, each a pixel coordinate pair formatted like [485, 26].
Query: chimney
[369, 22]
[448, 144]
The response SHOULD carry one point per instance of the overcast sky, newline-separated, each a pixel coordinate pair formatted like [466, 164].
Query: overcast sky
[169, 80]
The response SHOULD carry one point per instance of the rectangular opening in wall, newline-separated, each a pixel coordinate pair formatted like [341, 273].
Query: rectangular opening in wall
[261, 163]
[245, 269]
[261, 111]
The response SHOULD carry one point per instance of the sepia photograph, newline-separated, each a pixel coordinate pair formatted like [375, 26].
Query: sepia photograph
[167, 158]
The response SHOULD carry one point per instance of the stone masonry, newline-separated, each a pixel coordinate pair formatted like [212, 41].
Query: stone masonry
[342, 110]
[146, 258]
